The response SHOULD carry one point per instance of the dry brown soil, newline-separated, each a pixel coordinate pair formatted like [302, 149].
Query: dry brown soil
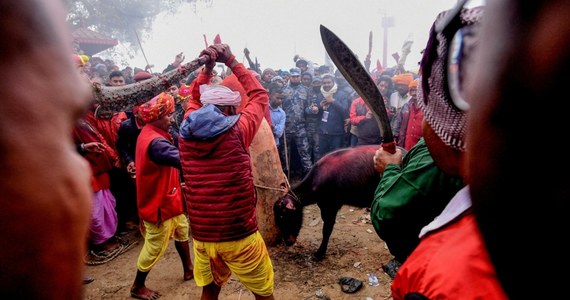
[354, 251]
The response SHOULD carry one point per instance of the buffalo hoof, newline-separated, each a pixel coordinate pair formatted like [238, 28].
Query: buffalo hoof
[318, 256]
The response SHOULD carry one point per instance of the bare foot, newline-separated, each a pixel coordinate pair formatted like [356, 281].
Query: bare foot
[144, 293]
[188, 275]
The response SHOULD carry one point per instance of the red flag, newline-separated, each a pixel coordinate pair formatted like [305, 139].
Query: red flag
[217, 39]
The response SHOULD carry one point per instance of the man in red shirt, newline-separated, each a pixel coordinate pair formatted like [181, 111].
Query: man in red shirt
[159, 193]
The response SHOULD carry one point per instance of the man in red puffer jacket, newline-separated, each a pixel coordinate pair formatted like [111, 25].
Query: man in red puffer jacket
[220, 195]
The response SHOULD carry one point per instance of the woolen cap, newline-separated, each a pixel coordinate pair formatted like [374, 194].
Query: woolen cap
[447, 120]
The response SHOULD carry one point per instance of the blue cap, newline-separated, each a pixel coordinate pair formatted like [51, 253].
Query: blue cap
[295, 72]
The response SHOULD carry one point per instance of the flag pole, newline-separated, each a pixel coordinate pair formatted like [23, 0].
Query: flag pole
[142, 50]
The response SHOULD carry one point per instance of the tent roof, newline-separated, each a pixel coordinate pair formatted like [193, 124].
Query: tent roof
[92, 42]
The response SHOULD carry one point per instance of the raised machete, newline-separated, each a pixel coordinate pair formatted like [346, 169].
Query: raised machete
[355, 73]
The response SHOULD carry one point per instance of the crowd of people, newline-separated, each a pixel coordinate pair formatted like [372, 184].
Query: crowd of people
[312, 111]
[319, 111]
[180, 159]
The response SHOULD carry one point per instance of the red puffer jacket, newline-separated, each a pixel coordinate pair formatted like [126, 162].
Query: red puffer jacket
[219, 191]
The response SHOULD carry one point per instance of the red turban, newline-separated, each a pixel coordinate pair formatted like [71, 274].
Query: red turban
[184, 91]
[156, 108]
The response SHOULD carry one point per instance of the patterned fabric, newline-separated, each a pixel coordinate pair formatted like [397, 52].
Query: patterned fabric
[294, 106]
[448, 121]
[156, 108]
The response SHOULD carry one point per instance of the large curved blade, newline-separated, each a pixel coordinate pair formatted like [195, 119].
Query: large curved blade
[355, 73]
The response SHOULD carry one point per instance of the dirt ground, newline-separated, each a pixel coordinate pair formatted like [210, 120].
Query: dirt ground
[354, 251]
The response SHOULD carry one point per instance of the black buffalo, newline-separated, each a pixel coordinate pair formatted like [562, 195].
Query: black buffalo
[343, 177]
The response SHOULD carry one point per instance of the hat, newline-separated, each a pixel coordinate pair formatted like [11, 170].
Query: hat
[324, 69]
[219, 95]
[329, 75]
[84, 58]
[276, 78]
[413, 84]
[184, 91]
[447, 120]
[405, 78]
[295, 72]
[269, 70]
[142, 75]
[100, 66]
[301, 61]
[156, 108]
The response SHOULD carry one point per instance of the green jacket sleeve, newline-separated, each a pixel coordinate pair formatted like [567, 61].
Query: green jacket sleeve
[410, 197]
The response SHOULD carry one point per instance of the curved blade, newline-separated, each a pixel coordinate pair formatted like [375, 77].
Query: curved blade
[355, 73]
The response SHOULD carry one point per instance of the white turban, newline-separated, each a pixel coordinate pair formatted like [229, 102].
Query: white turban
[219, 95]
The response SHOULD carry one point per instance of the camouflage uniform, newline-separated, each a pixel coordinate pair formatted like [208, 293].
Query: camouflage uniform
[295, 132]
[312, 127]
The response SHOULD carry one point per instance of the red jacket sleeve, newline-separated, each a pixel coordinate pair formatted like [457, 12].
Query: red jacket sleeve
[194, 101]
[355, 119]
[254, 111]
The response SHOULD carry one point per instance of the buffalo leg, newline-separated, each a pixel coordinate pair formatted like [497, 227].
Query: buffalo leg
[329, 219]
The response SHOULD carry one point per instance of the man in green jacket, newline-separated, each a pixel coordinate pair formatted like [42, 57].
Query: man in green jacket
[412, 191]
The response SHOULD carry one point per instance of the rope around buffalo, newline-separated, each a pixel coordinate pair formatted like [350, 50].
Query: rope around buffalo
[280, 189]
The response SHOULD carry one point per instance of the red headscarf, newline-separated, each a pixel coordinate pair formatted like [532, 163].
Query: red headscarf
[156, 108]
